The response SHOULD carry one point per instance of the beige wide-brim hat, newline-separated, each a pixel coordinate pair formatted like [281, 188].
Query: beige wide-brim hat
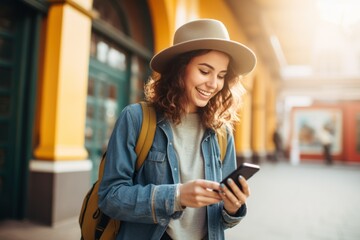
[205, 34]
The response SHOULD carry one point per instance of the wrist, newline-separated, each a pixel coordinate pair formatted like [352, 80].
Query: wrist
[231, 213]
[178, 205]
[240, 212]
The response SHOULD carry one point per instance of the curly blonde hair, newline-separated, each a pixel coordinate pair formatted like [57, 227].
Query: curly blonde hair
[166, 91]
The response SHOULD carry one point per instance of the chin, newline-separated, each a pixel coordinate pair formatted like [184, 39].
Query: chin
[202, 104]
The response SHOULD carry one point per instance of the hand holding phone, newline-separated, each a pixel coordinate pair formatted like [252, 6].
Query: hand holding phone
[246, 170]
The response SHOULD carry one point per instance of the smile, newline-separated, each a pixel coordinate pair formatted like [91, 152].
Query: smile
[205, 93]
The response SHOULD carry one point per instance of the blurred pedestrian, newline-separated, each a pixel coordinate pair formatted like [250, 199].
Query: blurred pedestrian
[278, 145]
[326, 140]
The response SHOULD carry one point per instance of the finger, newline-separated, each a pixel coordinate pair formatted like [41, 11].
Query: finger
[206, 189]
[234, 188]
[244, 186]
[213, 194]
[194, 195]
[202, 200]
[231, 204]
[206, 184]
[206, 200]
[229, 195]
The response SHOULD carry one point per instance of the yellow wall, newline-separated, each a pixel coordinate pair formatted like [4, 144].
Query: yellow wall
[259, 113]
[270, 116]
[220, 11]
[65, 76]
[242, 133]
[162, 16]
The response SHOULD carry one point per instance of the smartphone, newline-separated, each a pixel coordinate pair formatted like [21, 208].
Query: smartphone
[247, 170]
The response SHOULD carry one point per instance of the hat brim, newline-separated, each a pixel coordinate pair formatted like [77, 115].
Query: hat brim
[244, 58]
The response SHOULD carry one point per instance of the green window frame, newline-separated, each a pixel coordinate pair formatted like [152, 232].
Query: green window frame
[121, 48]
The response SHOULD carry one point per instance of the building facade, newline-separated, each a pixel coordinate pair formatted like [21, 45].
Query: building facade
[67, 68]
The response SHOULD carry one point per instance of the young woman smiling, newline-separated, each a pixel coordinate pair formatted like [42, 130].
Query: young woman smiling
[195, 91]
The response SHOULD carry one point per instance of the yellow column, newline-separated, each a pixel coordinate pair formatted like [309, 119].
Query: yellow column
[242, 133]
[270, 118]
[163, 18]
[259, 116]
[65, 76]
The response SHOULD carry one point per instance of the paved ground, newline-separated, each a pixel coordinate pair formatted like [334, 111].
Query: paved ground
[303, 202]
[309, 201]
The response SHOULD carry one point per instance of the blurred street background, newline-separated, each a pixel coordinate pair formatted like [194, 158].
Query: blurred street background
[310, 201]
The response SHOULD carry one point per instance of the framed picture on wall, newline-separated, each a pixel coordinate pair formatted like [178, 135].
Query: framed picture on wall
[309, 125]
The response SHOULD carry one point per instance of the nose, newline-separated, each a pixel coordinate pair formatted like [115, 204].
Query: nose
[212, 82]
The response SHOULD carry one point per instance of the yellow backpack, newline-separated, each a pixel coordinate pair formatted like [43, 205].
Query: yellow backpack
[94, 224]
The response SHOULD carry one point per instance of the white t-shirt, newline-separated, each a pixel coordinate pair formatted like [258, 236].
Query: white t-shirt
[187, 140]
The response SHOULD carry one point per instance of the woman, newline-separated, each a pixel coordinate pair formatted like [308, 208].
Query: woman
[176, 194]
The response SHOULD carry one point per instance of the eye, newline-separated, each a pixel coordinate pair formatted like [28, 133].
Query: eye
[222, 76]
[204, 72]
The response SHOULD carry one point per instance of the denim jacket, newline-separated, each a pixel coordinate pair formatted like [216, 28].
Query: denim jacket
[144, 201]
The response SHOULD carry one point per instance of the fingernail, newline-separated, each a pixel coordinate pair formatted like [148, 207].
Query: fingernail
[229, 180]
[222, 185]
[240, 177]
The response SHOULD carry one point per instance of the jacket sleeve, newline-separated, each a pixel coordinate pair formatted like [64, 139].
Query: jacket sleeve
[119, 197]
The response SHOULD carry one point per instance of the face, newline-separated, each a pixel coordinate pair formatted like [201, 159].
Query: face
[204, 78]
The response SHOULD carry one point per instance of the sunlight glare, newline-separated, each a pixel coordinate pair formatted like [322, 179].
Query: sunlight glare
[343, 13]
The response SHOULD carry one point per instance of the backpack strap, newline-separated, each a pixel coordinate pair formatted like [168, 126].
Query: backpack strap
[147, 133]
[222, 140]
[143, 145]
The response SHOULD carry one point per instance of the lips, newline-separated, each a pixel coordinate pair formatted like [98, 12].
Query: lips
[205, 93]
